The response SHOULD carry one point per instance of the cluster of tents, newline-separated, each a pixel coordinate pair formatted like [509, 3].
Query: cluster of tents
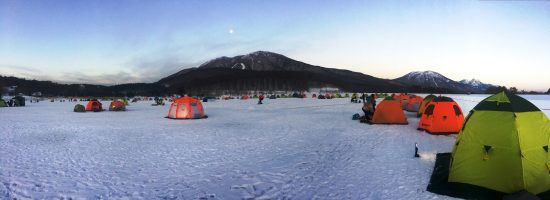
[95, 105]
[438, 115]
[293, 95]
[181, 108]
[501, 151]
[502, 147]
[17, 101]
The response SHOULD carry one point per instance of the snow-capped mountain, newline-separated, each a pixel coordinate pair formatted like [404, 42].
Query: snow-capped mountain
[262, 70]
[472, 82]
[476, 85]
[431, 79]
[258, 61]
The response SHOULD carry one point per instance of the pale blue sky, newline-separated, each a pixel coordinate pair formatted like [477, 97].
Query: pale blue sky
[111, 42]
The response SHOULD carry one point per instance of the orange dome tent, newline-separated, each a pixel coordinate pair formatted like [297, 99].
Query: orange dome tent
[414, 103]
[441, 116]
[94, 105]
[186, 108]
[117, 105]
[389, 112]
[404, 99]
[245, 97]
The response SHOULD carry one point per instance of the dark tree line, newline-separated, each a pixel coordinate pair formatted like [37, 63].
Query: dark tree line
[513, 90]
[48, 88]
[226, 81]
[217, 80]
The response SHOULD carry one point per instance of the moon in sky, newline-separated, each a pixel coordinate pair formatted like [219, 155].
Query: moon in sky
[230, 31]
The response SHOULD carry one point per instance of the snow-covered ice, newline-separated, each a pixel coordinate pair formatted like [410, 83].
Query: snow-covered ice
[283, 149]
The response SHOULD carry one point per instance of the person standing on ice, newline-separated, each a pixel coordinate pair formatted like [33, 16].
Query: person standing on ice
[373, 101]
[368, 110]
[260, 99]
[364, 97]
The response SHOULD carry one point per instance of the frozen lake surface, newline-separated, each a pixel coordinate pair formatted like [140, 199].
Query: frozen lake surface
[283, 149]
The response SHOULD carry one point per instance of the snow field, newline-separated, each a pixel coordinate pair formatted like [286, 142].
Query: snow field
[283, 149]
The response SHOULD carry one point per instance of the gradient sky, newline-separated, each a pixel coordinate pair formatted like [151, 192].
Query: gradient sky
[113, 42]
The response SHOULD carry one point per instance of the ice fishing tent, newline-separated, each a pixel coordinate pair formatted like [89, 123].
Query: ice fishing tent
[3, 103]
[414, 103]
[124, 100]
[389, 112]
[186, 108]
[18, 101]
[117, 105]
[404, 99]
[441, 116]
[158, 102]
[79, 108]
[501, 149]
[245, 97]
[425, 103]
[94, 105]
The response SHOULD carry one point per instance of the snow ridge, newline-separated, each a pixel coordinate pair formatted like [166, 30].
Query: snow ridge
[472, 82]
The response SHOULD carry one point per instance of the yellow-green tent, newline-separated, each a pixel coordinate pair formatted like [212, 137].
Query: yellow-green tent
[424, 104]
[504, 146]
[501, 149]
[124, 100]
[3, 103]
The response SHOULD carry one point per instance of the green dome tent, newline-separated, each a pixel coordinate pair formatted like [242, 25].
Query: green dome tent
[79, 108]
[3, 103]
[124, 100]
[501, 149]
[19, 101]
[158, 102]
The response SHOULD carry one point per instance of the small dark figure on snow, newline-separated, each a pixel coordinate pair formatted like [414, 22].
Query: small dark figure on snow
[260, 99]
[354, 98]
[416, 150]
[373, 101]
[364, 97]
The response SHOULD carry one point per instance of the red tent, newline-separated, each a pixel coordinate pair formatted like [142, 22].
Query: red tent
[186, 108]
[94, 105]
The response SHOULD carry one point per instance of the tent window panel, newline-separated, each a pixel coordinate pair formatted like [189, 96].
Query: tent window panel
[429, 110]
[173, 110]
[196, 112]
[182, 112]
[457, 110]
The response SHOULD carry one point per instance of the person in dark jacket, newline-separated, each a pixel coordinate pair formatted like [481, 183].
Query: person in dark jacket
[368, 110]
[260, 99]
[373, 99]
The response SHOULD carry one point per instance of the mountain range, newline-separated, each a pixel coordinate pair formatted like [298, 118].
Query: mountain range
[257, 71]
[269, 71]
[431, 79]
